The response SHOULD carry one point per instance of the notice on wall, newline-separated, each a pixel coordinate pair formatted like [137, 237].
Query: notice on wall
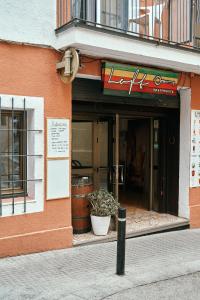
[58, 138]
[195, 149]
[58, 179]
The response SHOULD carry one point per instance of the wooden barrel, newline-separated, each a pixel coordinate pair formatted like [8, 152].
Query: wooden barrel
[80, 207]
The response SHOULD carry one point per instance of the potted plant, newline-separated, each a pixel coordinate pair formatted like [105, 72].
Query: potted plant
[103, 206]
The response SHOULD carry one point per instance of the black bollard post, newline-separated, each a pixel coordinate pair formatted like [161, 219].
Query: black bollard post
[121, 235]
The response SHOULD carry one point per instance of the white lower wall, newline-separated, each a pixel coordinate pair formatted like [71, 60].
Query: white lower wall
[184, 162]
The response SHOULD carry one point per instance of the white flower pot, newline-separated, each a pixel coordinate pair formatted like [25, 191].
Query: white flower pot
[100, 225]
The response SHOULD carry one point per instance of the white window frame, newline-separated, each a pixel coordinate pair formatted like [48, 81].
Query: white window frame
[98, 11]
[34, 107]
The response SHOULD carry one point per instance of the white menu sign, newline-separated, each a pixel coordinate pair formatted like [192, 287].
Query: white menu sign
[57, 138]
[195, 149]
[58, 186]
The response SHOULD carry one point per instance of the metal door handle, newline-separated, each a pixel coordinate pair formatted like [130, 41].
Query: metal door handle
[110, 176]
[122, 175]
[172, 140]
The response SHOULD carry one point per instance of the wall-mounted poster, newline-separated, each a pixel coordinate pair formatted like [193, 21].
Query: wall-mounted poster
[57, 138]
[195, 149]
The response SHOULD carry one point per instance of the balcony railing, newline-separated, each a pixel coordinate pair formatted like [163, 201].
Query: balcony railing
[175, 22]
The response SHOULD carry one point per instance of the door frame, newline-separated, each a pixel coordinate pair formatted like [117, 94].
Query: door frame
[110, 118]
[148, 185]
[94, 169]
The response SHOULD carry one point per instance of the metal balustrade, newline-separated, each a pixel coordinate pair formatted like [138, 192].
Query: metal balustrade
[175, 22]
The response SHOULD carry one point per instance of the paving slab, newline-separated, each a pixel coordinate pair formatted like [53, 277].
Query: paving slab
[88, 272]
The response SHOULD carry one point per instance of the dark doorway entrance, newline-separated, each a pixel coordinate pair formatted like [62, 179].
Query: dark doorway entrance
[135, 157]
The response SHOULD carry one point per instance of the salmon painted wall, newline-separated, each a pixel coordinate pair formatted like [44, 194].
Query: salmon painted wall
[92, 66]
[31, 71]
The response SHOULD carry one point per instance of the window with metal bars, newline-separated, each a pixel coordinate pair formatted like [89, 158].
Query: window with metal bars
[21, 155]
[13, 153]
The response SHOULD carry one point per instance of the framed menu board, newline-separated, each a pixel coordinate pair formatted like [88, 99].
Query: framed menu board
[57, 138]
[58, 170]
[195, 149]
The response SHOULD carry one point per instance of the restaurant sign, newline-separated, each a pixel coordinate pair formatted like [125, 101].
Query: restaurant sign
[132, 81]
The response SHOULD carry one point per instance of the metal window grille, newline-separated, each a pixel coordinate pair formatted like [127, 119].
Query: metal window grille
[14, 131]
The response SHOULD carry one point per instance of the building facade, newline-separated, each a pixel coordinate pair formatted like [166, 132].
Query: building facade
[129, 121]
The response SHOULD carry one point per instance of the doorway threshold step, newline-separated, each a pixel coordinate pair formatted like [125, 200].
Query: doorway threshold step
[164, 228]
[89, 238]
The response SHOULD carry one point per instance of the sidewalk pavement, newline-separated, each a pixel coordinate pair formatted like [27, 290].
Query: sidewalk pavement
[88, 272]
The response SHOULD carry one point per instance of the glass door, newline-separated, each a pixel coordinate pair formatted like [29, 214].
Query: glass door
[106, 156]
[115, 166]
[134, 16]
[101, 168]
[92, 151]
[159, 165]
[103, 154]
[113, 13]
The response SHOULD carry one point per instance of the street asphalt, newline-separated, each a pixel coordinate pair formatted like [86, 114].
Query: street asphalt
[184, 287]
[160, 266]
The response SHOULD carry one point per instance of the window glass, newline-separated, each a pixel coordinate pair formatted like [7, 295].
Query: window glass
[149, 17]
[196, 14]
[180, 21]
[11, 153]
[114, 13]
[82, 144]
[79, 9]
[103, 143]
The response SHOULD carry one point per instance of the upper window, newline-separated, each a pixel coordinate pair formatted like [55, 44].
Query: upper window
[12, 153]
[196, 13]
[84, 9]
[113, 13]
